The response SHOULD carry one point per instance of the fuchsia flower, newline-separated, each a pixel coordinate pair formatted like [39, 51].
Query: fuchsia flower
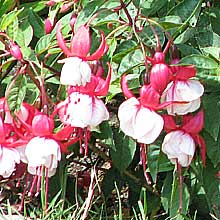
[137, 117]
[42, 152]
[182, 88]
[180, 142]
[82, 108]
[76, 70]
[39, 135]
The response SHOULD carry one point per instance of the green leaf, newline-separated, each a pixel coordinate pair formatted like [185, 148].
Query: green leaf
[5, 5]
[185, 36]
[105, 17]
[88, 11]
[26, 31]
[37, 23]
[12, 29]
[130, 61]
[169, 22]
[43, 44]
[124, 48]
[148, 37]
[212, 148]
[187, 50]
[213, 51]
[17, 93]
[212, 188]
[8, 19]
[185, 9]
[157, 162]
[111, 176]
[200, 61]
[170, 196]
[208, 38]
[149, 7]
[124, 150]
[211, 104]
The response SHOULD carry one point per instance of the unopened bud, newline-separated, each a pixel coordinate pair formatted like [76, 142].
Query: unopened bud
[48, 26]
[15, 51]
[66, 7]
[159, 76]
[50, 3]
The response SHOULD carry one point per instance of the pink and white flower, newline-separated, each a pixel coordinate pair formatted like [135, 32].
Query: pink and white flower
[179, 146]
[76, 71]
[82, 110]
[183, 89]
[180, 143]
[137, 117]
[41, 151]
[139, 122]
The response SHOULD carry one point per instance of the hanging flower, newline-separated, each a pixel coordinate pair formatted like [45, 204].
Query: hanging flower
[160, 72]
[184, 89]
[76, 71]
[41, 151]
[178, 145]
[180, 142]
[139, 122]
[138, 118]
[82, 110]
[9, 157]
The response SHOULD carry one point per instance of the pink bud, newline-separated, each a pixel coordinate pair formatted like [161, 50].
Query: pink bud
[159, 76]
[50, 3]
[48, 26]
[66, 7]
[15, 51]
[42, 125]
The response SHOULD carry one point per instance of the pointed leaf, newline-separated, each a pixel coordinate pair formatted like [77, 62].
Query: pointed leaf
[124, 150]
[17, 93]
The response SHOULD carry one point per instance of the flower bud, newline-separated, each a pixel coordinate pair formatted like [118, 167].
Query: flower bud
[15, 51]
[42, 125]
[159, 76]
[50, 3]
[66, 7]
[48, 26]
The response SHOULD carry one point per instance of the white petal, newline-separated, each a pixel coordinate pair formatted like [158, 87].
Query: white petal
[179, 145]
[21, 150]
[41, 151]
[75, 71]
[188, 91]
[99, 112]
[183, 109]
[127, 113]
[148, 126]
[8, 160]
